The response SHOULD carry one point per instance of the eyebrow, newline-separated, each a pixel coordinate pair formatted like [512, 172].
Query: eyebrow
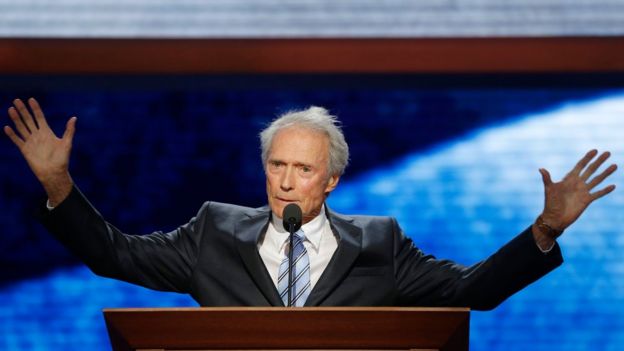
[296, 164]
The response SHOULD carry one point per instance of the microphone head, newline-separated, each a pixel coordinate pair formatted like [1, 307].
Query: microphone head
[292, 217]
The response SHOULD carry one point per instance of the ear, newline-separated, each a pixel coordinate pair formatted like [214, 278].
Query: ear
[332, 183]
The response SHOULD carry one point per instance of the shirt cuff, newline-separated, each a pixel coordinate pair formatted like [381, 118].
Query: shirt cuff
[542, 250]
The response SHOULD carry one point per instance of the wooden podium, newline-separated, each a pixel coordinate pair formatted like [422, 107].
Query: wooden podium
[281, 328]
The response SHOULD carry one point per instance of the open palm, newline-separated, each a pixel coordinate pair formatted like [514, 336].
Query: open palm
[566, 200]
[46, 154]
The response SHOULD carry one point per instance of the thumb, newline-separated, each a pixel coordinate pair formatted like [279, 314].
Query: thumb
[545, 176]
[70, 130]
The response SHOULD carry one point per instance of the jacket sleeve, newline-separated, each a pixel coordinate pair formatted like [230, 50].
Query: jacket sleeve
[426, 281]
[160, 261]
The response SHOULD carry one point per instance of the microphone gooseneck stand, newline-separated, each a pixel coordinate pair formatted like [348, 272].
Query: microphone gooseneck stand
[290, 263]
[292, 221]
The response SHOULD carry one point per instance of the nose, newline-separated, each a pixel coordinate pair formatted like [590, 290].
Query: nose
[287, 183]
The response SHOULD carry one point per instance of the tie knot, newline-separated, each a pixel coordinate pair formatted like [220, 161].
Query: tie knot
[297, 242]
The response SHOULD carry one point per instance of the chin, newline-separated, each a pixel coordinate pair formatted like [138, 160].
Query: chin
[278, 209]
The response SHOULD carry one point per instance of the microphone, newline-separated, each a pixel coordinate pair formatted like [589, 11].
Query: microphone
[292, 217]
[292, 222]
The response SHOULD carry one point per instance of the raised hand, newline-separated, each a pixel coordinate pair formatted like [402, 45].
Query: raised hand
[566, 200]
[46, 154]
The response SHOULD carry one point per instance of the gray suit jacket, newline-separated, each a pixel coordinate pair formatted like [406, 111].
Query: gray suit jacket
[215, 258]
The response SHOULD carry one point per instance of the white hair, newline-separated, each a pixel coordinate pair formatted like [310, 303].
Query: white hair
[315, 118]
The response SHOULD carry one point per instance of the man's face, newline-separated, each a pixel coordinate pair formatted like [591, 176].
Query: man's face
[296, 171]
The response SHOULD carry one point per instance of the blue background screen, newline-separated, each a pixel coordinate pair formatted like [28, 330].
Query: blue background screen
[454, 158]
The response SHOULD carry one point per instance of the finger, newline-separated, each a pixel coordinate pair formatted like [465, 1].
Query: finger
[598, 194]
[545, 177]
[19, 123]
[39, 116]
[583, 162]
[14, 138]
[25, 115]
[599, 178]
[70, 130]
[594, 165]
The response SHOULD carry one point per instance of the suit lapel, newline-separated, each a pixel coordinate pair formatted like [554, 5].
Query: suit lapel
[349, 245]
[248, 233]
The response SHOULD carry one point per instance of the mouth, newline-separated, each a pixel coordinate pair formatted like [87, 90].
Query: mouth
[285, 200]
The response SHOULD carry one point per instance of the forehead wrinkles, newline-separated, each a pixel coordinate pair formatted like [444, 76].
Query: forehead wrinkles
[300, 146]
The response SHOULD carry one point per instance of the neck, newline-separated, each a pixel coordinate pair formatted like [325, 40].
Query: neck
[310, 216]
[307, 218]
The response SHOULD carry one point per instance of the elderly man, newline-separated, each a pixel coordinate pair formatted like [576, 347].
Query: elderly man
[229, 255]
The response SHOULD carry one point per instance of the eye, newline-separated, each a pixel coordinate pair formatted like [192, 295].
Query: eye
[305, 171]
[275, 164]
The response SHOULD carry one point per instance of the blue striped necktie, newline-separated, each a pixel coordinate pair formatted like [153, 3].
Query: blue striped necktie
[301, 273]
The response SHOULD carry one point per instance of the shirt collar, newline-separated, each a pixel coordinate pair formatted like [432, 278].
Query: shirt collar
[313, 229]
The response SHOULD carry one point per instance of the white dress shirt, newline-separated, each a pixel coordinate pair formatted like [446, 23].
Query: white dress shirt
[320, 242]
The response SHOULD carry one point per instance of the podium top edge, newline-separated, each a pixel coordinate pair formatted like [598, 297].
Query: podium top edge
[289, 309]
